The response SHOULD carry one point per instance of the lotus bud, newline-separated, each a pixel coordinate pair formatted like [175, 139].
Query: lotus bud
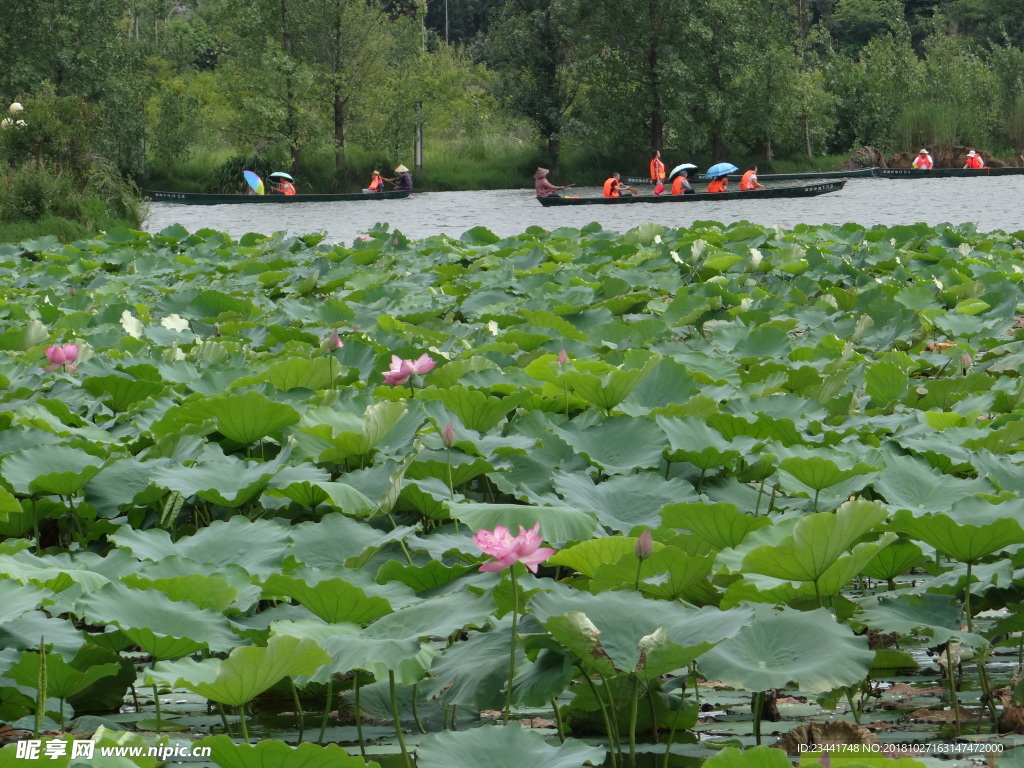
[644, 545]
[15, 108]
[563, 358]
[966, 361]
[448, 435]
[333, 342]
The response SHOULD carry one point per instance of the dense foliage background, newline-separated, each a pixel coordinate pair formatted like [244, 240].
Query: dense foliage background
[187, 92]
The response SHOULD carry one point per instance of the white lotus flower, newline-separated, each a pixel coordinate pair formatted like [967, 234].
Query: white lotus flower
[755, 258]
[492, 326]
[15, 108]
[657, 238]
[675, 257]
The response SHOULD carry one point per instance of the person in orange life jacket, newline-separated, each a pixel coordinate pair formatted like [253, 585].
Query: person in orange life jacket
[681, 185]
[749, 181]
[615, 188]
[285, 188]
[923, 161]
[721, 184]
[376, 183]
[974, 160]
[657, 167]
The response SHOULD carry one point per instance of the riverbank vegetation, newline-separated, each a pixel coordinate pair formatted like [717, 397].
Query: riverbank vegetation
[773, 472]
[180, 95]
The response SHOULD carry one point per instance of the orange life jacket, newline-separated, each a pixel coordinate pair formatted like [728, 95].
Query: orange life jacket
[924, 162]
[677, 185]
[376, 184]
[657, 170]
[718, 185]
[611, 187]
[975, 162]
[749, 181]
[287, 187]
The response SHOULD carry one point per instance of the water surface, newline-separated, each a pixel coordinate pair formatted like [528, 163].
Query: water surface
[989, 203]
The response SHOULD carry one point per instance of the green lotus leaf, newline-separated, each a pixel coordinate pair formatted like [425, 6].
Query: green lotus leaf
[338, 539]
[277, 754]
[246, 672]
[587, 556]
[250, 416]
[16, 599]
[963, 542]
[120, 390]
[618, 445]
[818, 473]
[937, 615]
[557, 524]
[755, 757]
[258, 546]
[374, 654]
[333, 600]
[519, 748]
[608, 390]
[693, 441]
[436, 617]
[475, 409]
[804, 647]
[227, 481]
[103, 738]
[668, 574]
[59, 469]
[424, 578]
[306, 373]
[722, 525]
[897, 558]
[623, 502]
[163, 628]
[538, 682]
[207, 592]
[349, 434]
[885, 383]
[63, 680]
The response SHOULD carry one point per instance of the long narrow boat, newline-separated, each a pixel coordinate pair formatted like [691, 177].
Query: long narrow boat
[941, 173]
[805, 176]
[198, 198]
[772, 193]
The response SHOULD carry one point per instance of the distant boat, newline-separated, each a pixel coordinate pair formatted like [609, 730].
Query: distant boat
[940, 173]
[804, 176]
[199, 198]
[772, 193]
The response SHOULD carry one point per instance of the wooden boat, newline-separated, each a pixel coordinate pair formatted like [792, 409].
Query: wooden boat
[772, 193]
[198, 198]
[762, 177]
[942, 173]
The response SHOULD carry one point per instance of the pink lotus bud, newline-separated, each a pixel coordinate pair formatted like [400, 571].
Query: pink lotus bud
[448, 435]
[644, 545]
[333, 342]
[562, 357]
[55, 355]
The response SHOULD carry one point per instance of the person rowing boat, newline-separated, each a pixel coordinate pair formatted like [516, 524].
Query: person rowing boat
[544, 187]
[613, 187]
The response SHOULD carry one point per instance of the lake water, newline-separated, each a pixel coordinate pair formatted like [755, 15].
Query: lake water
[989, 203]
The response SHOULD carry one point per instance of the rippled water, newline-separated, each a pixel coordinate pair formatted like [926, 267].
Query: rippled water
[990, 203]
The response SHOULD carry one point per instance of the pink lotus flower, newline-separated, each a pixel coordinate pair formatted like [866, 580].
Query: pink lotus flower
[62, 357]
[562, 357]
[333, 342]
[448, 435]
[508, 549]
[401, 370]
[644, 545]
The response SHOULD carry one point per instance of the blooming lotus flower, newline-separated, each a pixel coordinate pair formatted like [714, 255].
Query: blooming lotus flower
[508, 549]
[62, 357]
[401, 370]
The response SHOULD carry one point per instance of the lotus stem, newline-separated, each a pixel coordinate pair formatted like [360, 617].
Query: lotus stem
[300, 717]
[359, 719]
[223, 717]
[760, 493]
[613, 714]
[558, 720]
[327, 712]
[654, 714]
[451, 488]
[952, 687]
[398, 720]
[415, 708]
[758, 706]
[604, 714]
[455, 715]
[512, 651]
[40, 719]
[241, 720]
[672, 731]
[633, 707]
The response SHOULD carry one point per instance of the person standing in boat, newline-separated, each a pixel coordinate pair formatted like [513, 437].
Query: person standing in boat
[923, 161]
[376, 183]
[657, 168]
[544, 187]
[974, 160]
[681, 185]
[721, 184]
[404, 178]
[613, 187]
[749, 182]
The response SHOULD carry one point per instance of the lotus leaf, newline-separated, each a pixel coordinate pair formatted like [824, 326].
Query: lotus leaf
[276, 754]
[804, 647]
[61, 470]
[938, 615]
[617, 445]
[519, 748]
[756, 757]
[963, 542]
[722, 525]
[557, 524]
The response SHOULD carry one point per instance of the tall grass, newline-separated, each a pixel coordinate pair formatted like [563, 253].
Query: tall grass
[65, 230]
[928, 124]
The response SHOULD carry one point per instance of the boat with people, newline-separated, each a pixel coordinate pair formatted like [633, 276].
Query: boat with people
[941, 173]
[804, 176]
[202, 198]
[772, 193]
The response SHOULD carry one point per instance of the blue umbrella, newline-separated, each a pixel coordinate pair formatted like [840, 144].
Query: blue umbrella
[254, 181]
[720, 169]
[281, 174]
[679, 169]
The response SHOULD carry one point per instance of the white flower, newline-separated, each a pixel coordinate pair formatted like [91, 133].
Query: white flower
[675, 257]
[657, 238]
[755, 258]
[15, 108]
[938, 283]
[746, 303]
[492, 326]
[174, 323]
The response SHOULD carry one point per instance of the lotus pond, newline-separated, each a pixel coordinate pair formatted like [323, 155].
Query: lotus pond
[565, 498]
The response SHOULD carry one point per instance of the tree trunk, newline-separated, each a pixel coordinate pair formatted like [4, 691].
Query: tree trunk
[717, 145]
[807, 135]
[657, 121]
[554, 149]
[339, 133]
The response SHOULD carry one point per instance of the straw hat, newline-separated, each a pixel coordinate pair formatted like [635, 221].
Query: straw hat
[540, 173]
[375, 173]
[924, 152]
[401, 169]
